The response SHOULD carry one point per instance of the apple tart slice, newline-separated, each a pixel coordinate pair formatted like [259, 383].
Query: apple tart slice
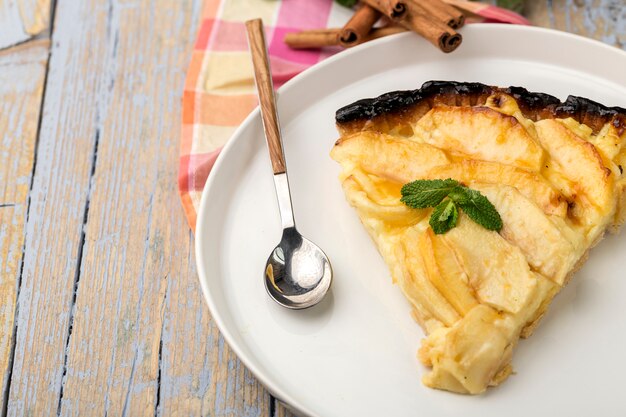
[554, 171]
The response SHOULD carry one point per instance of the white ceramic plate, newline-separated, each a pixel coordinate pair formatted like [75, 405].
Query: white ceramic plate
[354, 355]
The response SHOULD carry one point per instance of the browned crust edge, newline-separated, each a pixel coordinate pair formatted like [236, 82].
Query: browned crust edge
[413, 104]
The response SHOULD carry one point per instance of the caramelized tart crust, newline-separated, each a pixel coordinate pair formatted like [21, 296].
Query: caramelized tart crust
[410, 105]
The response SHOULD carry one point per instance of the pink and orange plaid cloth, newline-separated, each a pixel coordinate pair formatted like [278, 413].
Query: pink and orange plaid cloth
[220, 91]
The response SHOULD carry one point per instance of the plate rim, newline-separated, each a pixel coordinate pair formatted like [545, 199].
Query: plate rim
[274, 387]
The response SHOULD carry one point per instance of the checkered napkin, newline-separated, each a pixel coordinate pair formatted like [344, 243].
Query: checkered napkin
[219, 89]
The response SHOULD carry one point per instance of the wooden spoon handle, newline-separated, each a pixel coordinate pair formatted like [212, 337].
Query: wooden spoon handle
[267, 101]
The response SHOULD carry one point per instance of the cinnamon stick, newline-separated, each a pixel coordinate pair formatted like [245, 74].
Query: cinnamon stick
[434, 31]
[312, 39]
[440, 11]
[395, 9]
[358, 26]
[319, 38]
[381, 33]
[420, 20]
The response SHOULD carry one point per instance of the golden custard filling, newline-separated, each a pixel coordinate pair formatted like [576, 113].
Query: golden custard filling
[557, 185]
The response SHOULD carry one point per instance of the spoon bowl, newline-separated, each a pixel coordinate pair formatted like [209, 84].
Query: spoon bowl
[297, 272]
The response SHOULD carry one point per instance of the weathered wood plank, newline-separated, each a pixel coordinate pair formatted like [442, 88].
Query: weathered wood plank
[22, 75]
[281, 410]
[21, 20]
[11, 23]
[212, 381]
[35, 15]
[58, 203]
[135, 278]
[604, 20]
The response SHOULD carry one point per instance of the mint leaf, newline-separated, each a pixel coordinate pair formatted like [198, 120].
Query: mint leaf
[444, 217]
[478, 208]
[447, 196]
[426, 193]
[347, 3]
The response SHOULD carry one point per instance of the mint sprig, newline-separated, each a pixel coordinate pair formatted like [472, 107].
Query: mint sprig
[447, 196]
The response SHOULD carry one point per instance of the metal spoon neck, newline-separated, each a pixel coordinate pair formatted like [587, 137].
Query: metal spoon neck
[281, 183]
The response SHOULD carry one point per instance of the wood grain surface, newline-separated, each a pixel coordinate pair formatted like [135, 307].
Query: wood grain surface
[22, 20]
[57, 213]
[23, 72]
[107, 237]
[35, 15]
[604, 20]
[101, 312]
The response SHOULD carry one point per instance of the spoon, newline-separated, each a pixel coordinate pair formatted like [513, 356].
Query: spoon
[297, 272]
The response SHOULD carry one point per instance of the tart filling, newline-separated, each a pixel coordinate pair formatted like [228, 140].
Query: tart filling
[553, 170]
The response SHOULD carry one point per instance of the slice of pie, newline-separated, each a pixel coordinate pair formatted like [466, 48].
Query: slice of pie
[555, 173]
